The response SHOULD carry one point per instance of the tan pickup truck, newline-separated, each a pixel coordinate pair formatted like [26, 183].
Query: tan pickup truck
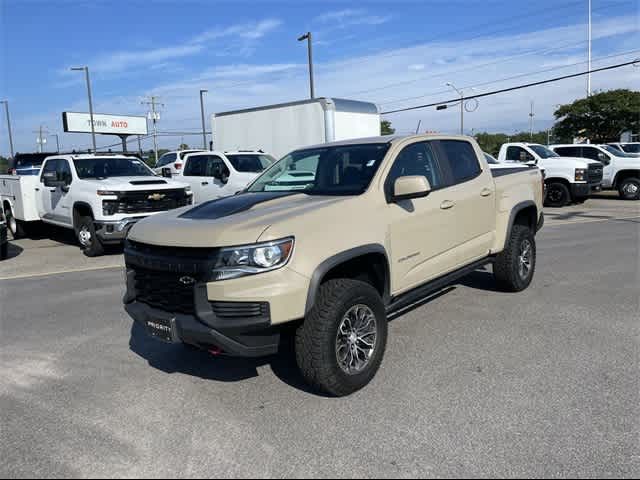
[328, 242]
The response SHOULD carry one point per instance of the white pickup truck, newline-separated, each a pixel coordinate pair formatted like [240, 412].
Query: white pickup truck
[98, 196]
[213, 175]
[621, 170]
[568, 179]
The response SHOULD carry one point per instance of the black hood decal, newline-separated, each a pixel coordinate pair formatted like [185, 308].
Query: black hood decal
[224, 207]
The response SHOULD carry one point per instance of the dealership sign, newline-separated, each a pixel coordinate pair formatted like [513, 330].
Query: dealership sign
[106, 124]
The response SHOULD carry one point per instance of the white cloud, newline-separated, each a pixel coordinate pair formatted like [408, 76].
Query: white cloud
[351, 17]
[247, 31]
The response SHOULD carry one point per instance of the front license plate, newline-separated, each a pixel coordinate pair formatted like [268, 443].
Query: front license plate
[161, 329]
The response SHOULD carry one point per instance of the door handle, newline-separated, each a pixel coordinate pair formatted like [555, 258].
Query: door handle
[37, 189]
[204, 183]
[447, 204]
[486, 192]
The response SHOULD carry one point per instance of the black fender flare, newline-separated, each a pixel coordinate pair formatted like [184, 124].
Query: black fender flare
[514, 213]
[340, 258]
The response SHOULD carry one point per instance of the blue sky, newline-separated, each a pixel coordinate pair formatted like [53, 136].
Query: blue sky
[395, 54]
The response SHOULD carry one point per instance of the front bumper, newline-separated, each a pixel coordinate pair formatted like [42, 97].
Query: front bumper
[115, 231]
[233, 335]
[582, 190]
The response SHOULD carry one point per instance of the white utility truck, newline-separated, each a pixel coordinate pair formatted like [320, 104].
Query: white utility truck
[568, 179]
[98, 196]
[280, 129]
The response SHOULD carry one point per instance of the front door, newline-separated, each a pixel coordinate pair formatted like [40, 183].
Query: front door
[597, 155]
[422, 230]
[54, 202]
[208, 177]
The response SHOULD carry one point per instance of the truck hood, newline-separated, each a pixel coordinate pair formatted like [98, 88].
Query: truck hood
[135, 184]
[236, 220]
[567, 162]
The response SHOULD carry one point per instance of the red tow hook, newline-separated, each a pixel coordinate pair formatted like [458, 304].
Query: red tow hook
[216, 352]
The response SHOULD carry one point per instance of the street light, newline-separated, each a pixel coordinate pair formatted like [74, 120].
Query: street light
[6, 109]
[57, 141]
[461, 93]
[307, 37]
[204, 132]
[93, 130]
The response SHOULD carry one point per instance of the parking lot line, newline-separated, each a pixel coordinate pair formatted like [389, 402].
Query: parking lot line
[60, 272]
[564, 223]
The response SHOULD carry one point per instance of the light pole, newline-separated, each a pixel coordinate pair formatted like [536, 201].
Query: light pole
[6, 110]
[204, 132]
[57, 142]
[461, 93]
[93, 130]
[307, 37]
[589, 39]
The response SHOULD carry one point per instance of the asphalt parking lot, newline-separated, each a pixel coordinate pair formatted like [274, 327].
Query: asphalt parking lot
[544, 383]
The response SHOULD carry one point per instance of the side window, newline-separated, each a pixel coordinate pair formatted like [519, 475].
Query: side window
[569, 151]
[218, 168]
[49, 170]
[166, 159]
[593, 153]
[416, 159]
[196, 166]
[63, 172]
[461, 159]
[519, 154]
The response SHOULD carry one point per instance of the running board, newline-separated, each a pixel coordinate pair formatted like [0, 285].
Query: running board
[420, 293]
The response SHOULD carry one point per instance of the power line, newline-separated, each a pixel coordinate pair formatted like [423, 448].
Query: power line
[513, 77]
[519, 87]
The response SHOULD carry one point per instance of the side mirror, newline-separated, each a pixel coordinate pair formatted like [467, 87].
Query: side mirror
[406, 188]
[166, 173]
[603, 158]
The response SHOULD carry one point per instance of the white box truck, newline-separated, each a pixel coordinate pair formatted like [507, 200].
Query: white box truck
[279, 129]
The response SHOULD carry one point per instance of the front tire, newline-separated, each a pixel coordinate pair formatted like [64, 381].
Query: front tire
[629, 189]
[558, 195]
[341, 344]
[515, 265]
[89, 241]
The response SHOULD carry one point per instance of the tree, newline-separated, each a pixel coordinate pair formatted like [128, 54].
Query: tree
[601, 118]
[183, 146]
[386, 128]
[491, 142]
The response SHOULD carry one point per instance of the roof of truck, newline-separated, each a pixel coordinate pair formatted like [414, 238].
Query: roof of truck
[385, 139]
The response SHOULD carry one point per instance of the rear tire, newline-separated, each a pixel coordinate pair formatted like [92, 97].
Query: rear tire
[558, 195]
[89, 241]
[16, 227]
[341, 344]
[515, 265]
[4, 251]
[629, 188]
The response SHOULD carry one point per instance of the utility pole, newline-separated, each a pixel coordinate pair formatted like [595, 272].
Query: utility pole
[154, 116]
[85, 69]
[57, 142]
[139, 145]
[461, 93]
[589, 39]
[308, 38]
[6, 110]
[204, 132]
[531, 116]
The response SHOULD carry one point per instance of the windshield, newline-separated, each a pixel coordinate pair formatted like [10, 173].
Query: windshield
[543, 152]
[111, 167]
[631, 147]
[333, 170]
[617, 153]
[250, 162]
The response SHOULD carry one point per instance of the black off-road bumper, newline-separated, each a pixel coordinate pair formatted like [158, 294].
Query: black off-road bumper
[226, 332]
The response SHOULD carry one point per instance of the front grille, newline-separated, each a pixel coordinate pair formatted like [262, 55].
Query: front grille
[163, 290]
[146, 202]
[595, 174]
[240, 309]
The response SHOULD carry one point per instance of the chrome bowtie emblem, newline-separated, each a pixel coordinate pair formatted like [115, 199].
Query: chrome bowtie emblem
[187, 281]
[156, 197]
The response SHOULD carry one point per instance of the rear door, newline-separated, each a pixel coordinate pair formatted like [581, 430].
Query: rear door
[472, 192]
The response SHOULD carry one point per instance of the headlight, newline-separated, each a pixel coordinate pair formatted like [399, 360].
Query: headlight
[187, 190]
[106, 193]
[581, 174]
[235, 262]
